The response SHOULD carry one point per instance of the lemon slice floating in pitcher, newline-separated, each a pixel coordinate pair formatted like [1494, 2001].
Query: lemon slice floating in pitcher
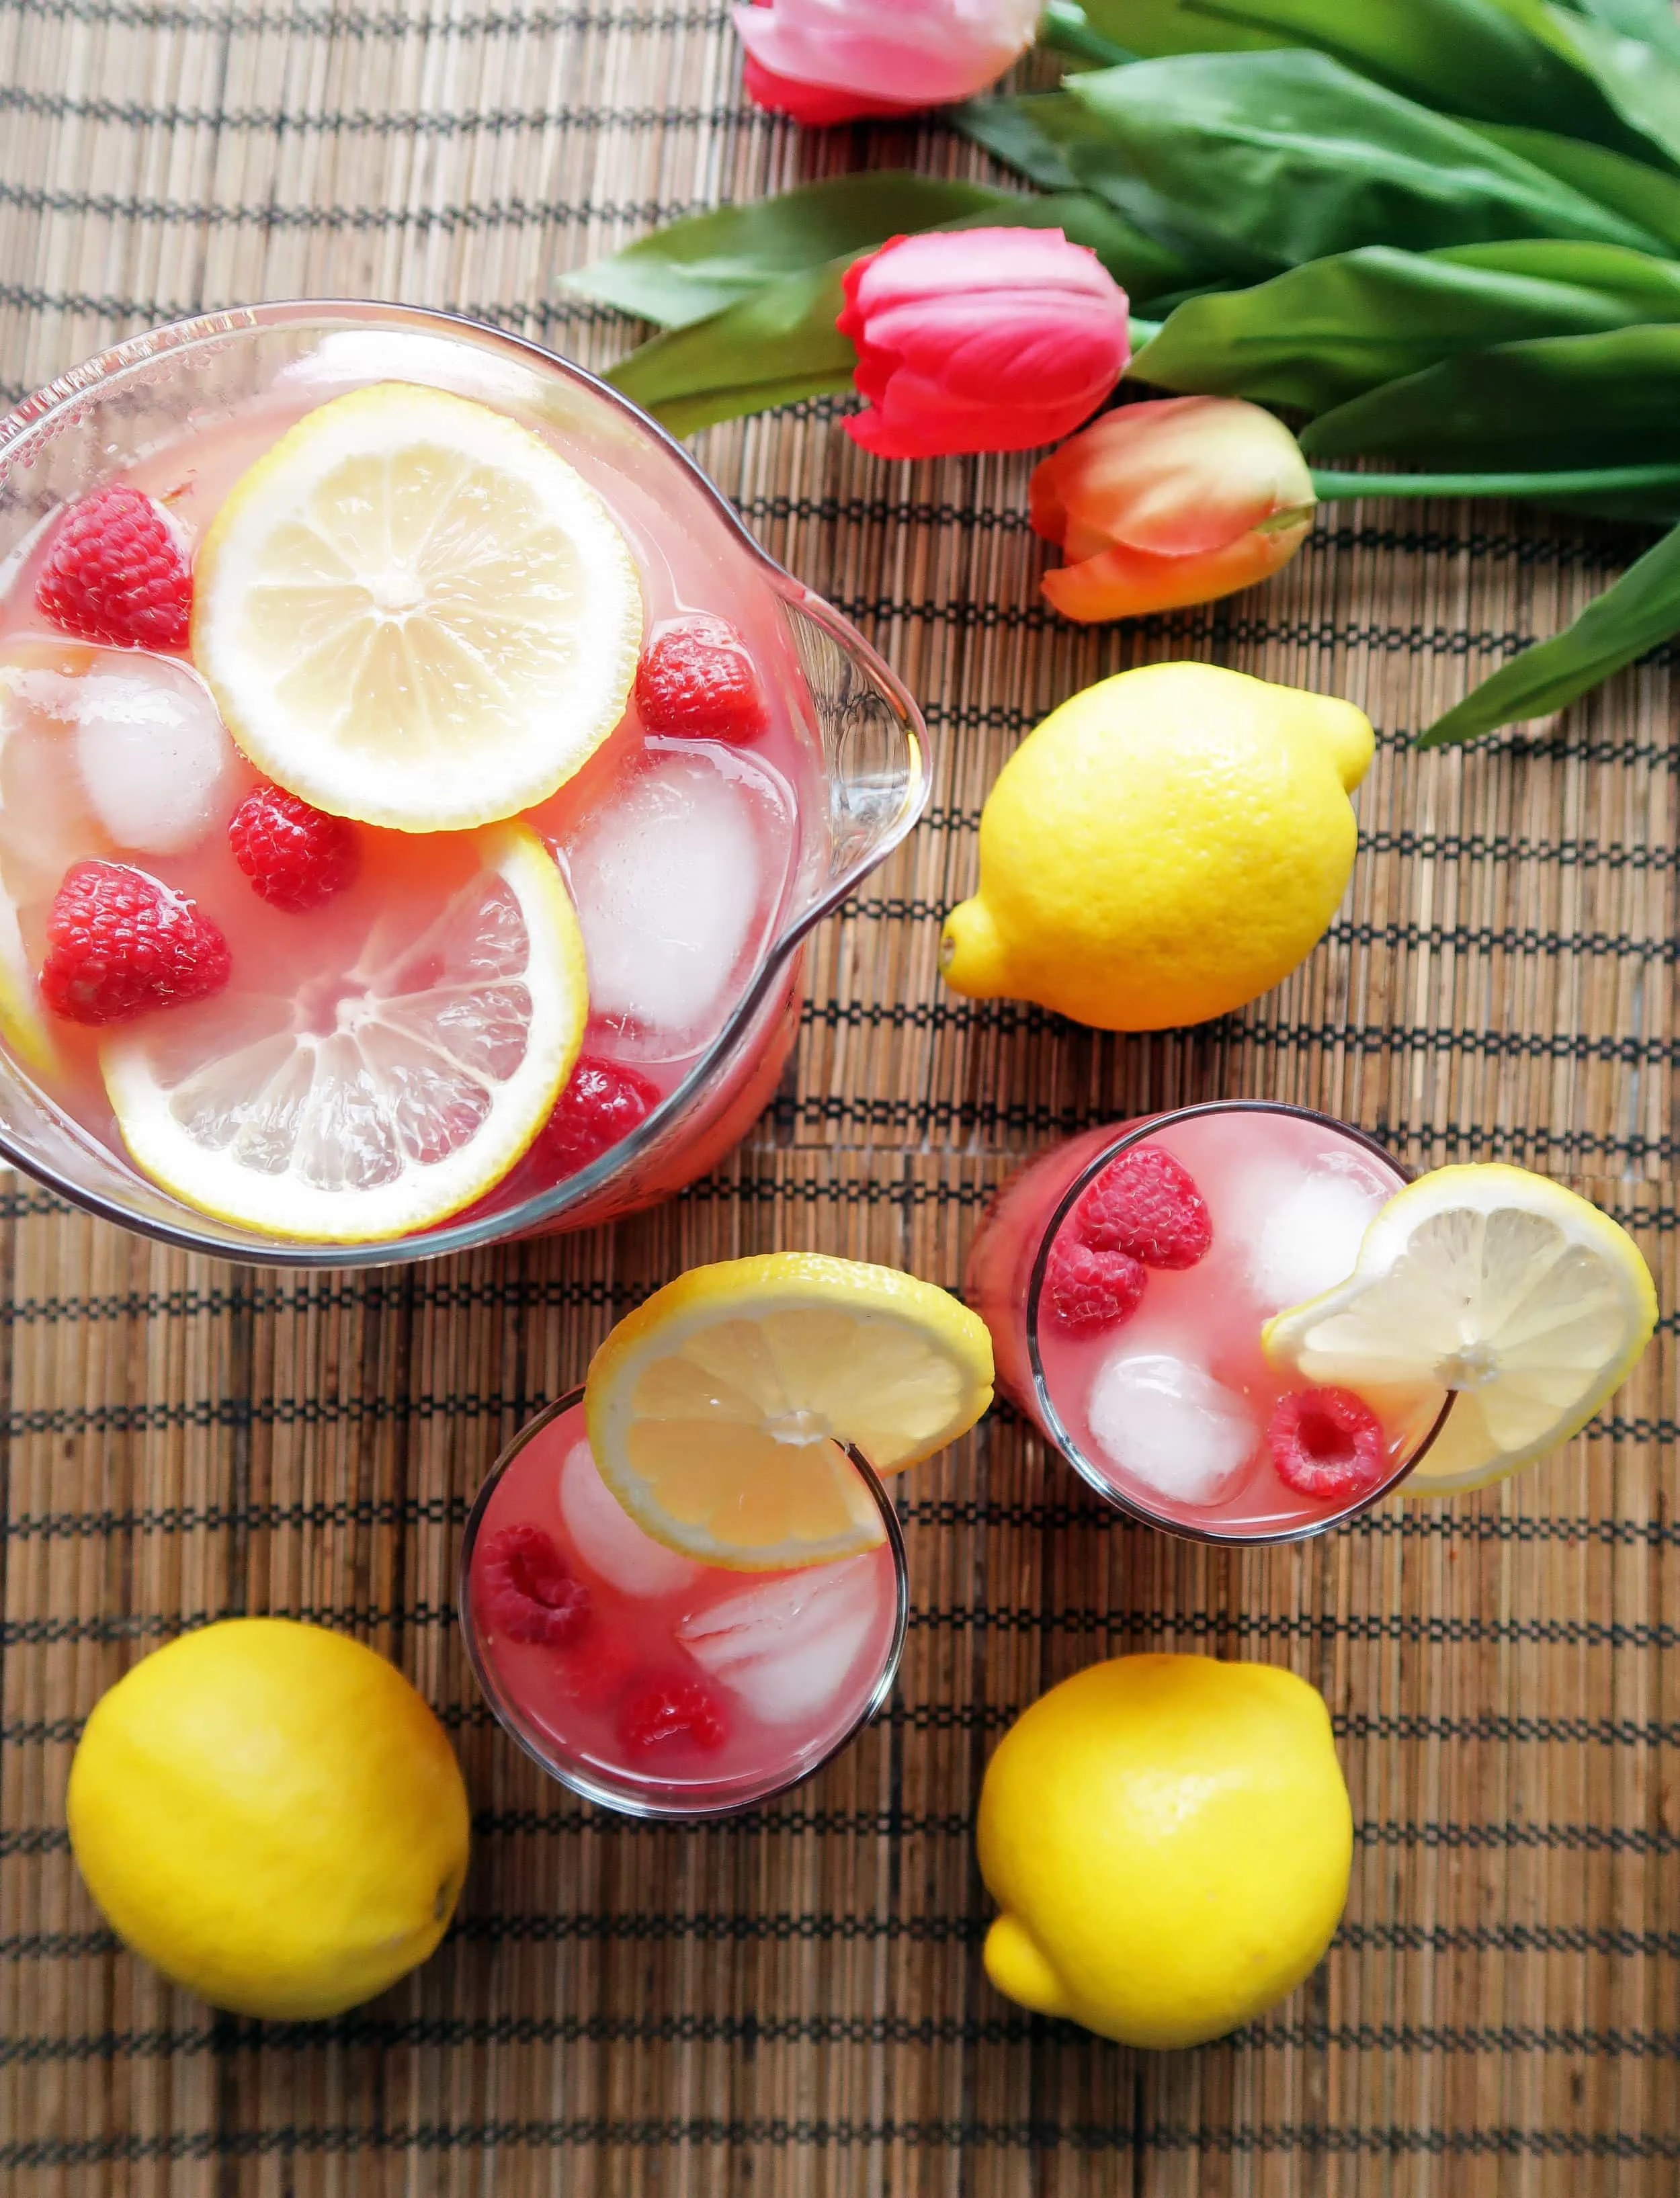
[382, 1099]
[716, 1410]
[1502, 1286]
[412, 611]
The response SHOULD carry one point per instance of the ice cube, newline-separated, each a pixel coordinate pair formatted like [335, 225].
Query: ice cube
[609, 1541]
[786, 1646]
[153, 752]
[1305, 1230]
[1165, 1421]
[673, 881]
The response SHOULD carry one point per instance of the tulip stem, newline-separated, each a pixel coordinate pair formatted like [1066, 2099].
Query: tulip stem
[1341, 488]
[1063, 28]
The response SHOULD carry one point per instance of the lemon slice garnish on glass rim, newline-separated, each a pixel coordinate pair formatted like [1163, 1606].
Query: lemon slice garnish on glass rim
[411, 1097]
[1500, 1285]
[716, 1410]
[412, 611]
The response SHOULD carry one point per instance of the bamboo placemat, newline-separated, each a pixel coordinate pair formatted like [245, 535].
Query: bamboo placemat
[795, 2005]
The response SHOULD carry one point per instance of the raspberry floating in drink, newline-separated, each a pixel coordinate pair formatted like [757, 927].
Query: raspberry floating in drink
[296, 857]
[116, 570]
[696, 680]
[1327, 1443]
[120, 944]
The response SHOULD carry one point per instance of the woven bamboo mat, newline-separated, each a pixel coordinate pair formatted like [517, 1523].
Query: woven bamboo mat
[795, 2005]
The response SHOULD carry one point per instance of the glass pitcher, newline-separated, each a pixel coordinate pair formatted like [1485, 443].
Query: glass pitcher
[180, 386]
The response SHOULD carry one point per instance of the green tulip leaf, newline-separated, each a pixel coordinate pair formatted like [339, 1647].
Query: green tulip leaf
[1638, 81]
[1293, 157]
[1055, 142]
[695, 267]
[1553, 403]
[1646, 196]
[1319, 335]
[1652, 21]
[775, 346]
[1638, 614]
[1155, 28]
[1481, 59]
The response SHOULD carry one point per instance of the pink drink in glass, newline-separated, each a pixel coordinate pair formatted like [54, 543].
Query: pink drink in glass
[1153, 1382]
[648, 1681]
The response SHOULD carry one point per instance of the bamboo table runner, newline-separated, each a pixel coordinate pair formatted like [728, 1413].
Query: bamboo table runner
[795, 2004]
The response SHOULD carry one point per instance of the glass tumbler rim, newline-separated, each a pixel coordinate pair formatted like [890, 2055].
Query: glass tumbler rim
[42, 414]
[601, 1792]
[1138, 1132]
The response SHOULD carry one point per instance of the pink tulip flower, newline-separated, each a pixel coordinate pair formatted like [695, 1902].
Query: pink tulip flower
[980, 340]
[1158, 506]
[878, 56]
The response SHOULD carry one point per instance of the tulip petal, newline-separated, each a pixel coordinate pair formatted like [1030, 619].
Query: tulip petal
[931, 52]
[1128, 583]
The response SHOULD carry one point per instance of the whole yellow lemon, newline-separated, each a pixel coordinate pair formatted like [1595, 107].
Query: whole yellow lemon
[1166, 846]
[270, 1814]
[1169, 1838]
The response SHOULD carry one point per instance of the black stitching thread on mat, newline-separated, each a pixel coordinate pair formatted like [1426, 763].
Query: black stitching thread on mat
[591, 2133]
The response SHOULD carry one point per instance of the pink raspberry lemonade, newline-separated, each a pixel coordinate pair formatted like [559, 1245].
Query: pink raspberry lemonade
[1126, 1277]
[644, 1680]
[414, 787]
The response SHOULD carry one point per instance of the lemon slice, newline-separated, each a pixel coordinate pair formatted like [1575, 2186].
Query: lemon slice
[717, 1409]
[1502, 1286]
[412, 611]
[342, 1110]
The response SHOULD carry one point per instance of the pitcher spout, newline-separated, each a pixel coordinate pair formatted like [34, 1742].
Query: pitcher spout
[874, 746]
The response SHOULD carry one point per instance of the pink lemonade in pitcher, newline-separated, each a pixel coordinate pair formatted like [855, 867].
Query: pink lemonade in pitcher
[1126, 1277]
[395, 803]
[649, 1681]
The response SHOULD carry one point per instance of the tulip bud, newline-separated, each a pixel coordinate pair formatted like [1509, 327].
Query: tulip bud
[821, 63]
[980, 340]
[1163, 504]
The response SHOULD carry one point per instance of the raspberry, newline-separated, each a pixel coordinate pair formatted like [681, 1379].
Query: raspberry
[116, 572]
[665, 1709]
[526, 1591]
[1146, 1204]
[295, 856]
[1086, 1288]
[602, 1103]
[696, 680]
[118, 944]
[1327, 1443]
